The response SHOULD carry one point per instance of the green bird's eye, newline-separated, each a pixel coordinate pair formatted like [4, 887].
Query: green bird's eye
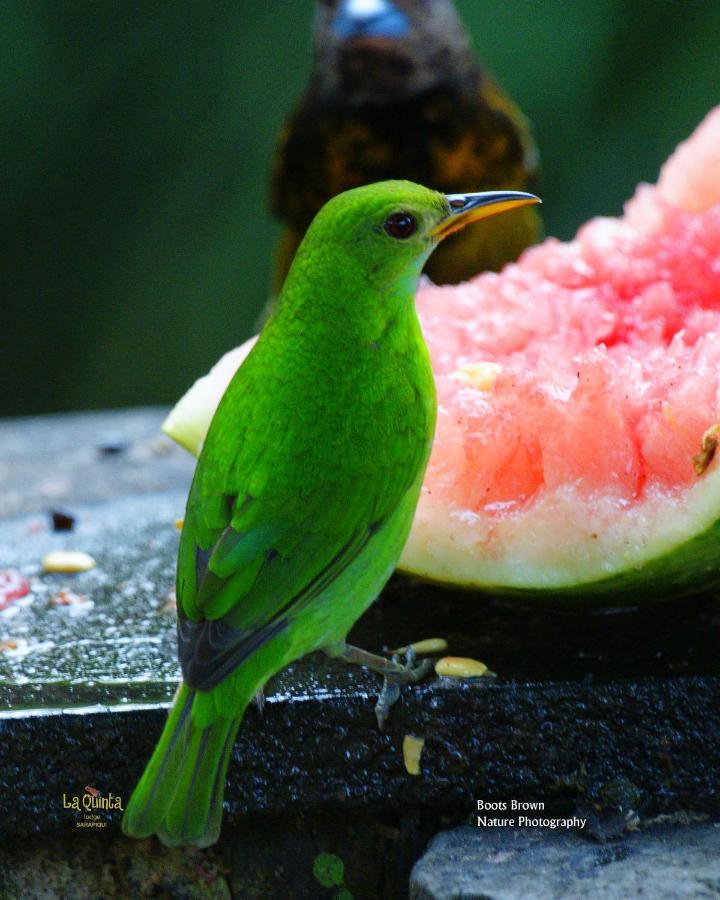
[400, 225]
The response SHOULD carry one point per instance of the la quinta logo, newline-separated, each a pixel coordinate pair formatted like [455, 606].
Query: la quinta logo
[91, 804]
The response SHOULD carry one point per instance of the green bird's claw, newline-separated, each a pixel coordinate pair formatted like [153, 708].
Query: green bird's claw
[395, 674]
[388, 697]
[408, 673]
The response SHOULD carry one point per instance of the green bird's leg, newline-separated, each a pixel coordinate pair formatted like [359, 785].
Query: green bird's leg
[393, 671]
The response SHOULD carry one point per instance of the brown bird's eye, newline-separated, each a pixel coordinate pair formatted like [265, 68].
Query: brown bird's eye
[400, 225]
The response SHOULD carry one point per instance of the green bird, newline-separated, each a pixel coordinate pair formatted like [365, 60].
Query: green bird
[306, 486]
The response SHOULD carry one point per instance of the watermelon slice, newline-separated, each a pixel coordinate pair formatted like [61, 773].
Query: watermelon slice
[579, 401]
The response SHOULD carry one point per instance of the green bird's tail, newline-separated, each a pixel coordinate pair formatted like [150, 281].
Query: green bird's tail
[180, 794]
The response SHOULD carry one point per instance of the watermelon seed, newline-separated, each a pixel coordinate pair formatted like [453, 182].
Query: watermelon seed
[708, 446]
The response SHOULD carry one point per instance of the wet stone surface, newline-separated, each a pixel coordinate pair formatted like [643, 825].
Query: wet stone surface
[62, 460]
[615, 715]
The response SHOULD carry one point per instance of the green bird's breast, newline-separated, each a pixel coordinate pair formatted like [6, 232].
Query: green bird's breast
[351, 410]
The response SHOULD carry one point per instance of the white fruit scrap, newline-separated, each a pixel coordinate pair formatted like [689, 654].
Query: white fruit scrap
[19, 647]
[14, 646]
[708, 446]
[480, 375]
[460, 667]
[67, 561]
[425, 648]
[189, 420]
[412, 748]
[9, 644]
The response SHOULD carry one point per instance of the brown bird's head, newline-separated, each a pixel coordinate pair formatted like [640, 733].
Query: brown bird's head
[375, 52]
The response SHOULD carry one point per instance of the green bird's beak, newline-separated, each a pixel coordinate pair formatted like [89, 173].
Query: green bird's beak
[467, 208]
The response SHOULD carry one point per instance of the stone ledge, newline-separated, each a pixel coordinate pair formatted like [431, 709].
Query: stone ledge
[587, 711]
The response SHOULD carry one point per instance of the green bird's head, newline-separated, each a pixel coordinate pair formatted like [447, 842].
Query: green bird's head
[382, 234]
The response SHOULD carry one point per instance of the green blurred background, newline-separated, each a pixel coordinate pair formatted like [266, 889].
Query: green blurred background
[136, 145]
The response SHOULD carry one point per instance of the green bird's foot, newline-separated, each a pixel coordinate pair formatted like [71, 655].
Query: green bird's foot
[395, 674]
[410, 672]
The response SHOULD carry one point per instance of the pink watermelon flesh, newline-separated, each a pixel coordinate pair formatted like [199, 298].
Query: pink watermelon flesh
[610, 350]
[610, 354]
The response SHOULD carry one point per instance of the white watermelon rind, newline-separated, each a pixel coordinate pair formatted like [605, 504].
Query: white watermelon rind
[664, 547]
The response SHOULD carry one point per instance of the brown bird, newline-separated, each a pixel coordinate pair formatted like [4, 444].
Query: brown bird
[396, 91]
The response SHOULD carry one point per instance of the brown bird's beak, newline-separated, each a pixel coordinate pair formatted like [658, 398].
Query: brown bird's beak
[467, 208]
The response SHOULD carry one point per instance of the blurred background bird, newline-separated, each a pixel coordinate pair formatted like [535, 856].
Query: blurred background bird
[396, 91]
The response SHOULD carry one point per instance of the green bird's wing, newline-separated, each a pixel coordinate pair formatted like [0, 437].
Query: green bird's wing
[272, 523]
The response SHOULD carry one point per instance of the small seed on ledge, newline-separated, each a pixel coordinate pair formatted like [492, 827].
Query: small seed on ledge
[67, 561]
[412, 748]
[426, 647]
[460, 667]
